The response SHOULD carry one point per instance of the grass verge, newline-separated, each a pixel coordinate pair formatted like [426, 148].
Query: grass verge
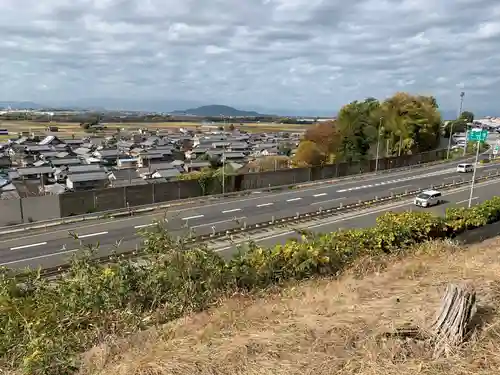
[326, 326]
[45, 325]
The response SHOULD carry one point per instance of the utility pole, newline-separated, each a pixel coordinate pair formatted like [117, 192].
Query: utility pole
[462, 94]
[378, 144]
[474, 174]
[449, 140]
[223, 171]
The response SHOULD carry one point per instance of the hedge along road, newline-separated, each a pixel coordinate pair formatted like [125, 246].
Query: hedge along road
[52, 249]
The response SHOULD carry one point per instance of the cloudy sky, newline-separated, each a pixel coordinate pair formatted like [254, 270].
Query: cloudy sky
[310, 54]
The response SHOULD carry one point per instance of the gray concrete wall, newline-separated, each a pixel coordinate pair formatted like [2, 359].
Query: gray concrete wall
[77, 203]
[41, 208]
[10, 212]
[139, 195]
[116, 198]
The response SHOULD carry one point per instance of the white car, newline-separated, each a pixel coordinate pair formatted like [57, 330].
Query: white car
[428, 198]
[465, 168]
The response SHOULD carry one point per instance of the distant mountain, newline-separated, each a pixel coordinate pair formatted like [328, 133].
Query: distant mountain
[117, 104]
[217, 110]
[20, 105]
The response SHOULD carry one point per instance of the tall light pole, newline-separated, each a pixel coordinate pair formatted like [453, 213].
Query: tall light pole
[450, 135]
[462, 94]
[378, 143]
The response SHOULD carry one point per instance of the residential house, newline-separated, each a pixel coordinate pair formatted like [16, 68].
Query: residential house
[125, 163]
[32, 173]
[82, 151]
[37, 149]
[64, 162]
[46, 155]
[74, 142]
[50, 140]
[196, 152]
[125, 177]
[87, 181]
[5, 162]
[86, 168]
[238, 147]
[196, 166]
[148, 157]
[166, 173]
[125, 146]
[235, 157]
[107, 156]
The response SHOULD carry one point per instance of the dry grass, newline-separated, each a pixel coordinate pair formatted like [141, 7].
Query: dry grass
[326, 326]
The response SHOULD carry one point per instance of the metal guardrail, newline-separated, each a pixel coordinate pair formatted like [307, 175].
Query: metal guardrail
[123, 212]
[298, 218]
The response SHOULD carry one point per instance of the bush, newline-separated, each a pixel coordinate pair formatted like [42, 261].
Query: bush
[45, 325]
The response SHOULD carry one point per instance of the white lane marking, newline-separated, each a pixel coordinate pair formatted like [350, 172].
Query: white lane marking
[319, 195]
[37, 257]
[325, 184]
[327, 201]
[192, 217]
[394, 181]
[26, 246]
[91, 235]
[233, 210]
[400, 187]
[265, 204]
[293, 199]
[144, 225]
[466, 200]
[348, 216]
[219, 222]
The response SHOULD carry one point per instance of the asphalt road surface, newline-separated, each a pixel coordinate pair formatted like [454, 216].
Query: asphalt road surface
[367, 218]
[52, 248]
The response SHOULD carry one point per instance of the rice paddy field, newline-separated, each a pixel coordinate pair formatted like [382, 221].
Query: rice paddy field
[67, 129]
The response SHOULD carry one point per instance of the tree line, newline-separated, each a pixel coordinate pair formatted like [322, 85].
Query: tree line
[401, 124]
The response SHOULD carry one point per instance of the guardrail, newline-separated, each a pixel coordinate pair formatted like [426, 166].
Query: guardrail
[138, 210]
[298, 218]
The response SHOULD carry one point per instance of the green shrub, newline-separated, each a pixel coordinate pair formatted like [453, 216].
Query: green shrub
[44, 326]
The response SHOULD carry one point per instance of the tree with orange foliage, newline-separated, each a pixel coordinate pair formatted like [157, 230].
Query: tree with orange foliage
[308, 154]
[325, 136]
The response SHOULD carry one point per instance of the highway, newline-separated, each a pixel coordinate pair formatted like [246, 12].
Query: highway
[52, 248]
[367, 218]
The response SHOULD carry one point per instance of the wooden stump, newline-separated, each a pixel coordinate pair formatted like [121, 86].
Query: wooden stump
[458, 306]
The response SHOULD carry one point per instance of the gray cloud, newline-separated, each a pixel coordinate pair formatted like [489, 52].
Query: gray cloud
[311, 54]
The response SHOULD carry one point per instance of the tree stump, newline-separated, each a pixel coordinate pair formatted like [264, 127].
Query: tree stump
[450, 326]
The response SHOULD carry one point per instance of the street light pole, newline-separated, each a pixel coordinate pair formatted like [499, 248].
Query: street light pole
[223, 172]
[462, 94]
[378, 144]
[449, 140]
[474, 173]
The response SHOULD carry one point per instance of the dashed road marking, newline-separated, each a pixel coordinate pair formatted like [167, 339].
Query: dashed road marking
[144, 225]
[91, 235]
[233, 210]
[192, 217]
[293, 199]
[265, 204]
[26, 246]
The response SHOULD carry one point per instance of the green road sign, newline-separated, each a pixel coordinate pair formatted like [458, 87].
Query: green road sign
[475, 135]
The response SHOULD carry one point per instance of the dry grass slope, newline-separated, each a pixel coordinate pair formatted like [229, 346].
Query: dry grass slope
[327, 326]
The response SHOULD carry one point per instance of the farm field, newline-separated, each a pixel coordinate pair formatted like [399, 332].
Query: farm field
[69, 129]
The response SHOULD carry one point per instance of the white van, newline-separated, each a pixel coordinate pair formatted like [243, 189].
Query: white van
[428, 198]
[465, 168]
